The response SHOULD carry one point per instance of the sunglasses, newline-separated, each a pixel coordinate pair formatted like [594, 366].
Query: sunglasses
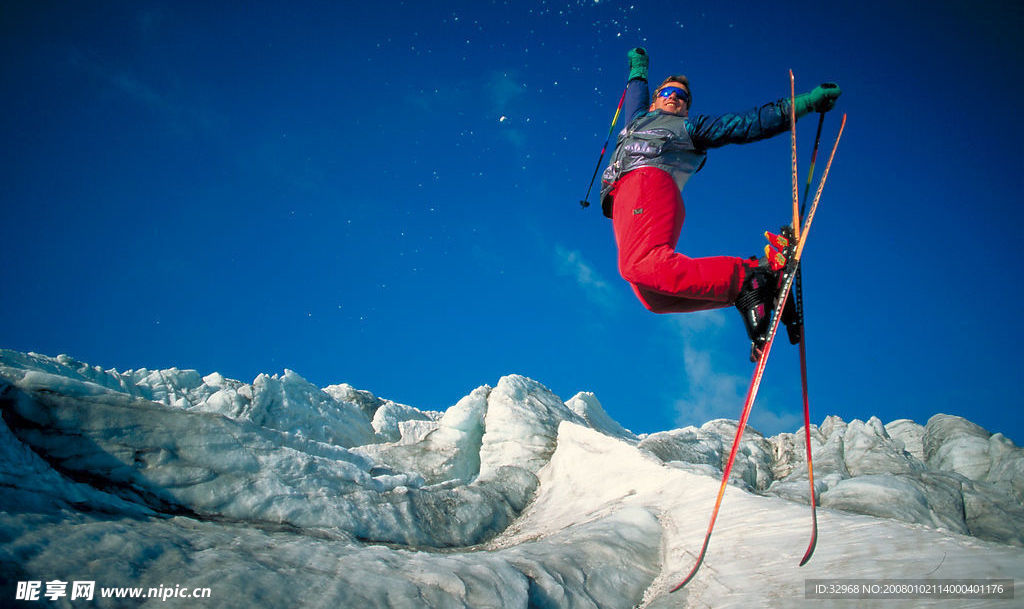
[680, 93]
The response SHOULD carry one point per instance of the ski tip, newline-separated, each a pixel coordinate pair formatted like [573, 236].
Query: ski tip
[681, 585]
[813, 544]
[808, 554]
[689, 576]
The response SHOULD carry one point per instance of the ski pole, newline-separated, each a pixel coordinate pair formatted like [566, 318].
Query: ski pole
[798, 294]
[586, 200]
[814, 155]
[792, 130]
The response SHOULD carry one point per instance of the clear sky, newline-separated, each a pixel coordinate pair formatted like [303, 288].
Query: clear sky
[386, 194]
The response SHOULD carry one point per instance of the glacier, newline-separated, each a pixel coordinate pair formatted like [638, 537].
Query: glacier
[278, 493]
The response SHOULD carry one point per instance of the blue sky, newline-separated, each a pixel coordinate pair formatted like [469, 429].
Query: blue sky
[386, 194]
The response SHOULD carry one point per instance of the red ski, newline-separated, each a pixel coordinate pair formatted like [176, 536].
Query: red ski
[755, 382]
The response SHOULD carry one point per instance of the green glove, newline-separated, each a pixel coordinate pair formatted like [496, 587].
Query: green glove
[821, 99]
[638, 62]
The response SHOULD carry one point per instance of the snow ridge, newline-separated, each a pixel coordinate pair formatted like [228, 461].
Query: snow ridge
[278, 493]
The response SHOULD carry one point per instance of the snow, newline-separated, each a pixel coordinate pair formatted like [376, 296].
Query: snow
[520, 425]
[277, 493]
[586, 405]
[953, 444]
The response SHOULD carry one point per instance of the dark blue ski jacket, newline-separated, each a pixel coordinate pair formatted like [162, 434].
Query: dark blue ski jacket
[678, 144]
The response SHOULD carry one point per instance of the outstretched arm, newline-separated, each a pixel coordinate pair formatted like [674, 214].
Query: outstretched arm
[741, 128]
[759, 123]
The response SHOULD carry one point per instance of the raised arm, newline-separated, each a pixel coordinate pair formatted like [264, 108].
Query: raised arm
[638, 93]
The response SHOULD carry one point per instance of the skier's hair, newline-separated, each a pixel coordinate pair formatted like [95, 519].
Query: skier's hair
[680, 79]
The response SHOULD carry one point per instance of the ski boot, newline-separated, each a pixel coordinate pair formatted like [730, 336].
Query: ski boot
[755, 304]
[760, 290]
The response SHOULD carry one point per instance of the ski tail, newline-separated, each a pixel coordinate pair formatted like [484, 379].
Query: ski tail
[810, 464]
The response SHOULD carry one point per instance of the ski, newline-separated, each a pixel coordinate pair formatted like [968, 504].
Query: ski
[798, 297]
[787, 283]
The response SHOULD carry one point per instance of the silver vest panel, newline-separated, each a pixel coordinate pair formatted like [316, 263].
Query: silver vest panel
[657, 140]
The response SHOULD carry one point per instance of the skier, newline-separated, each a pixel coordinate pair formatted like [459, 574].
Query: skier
[656, 153]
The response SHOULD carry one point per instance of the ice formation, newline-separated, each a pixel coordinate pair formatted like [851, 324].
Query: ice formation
[278, 493]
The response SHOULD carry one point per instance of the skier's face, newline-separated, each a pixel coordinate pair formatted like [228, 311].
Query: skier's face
[671, 104]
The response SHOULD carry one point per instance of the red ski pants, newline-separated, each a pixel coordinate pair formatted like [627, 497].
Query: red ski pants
[648, 218]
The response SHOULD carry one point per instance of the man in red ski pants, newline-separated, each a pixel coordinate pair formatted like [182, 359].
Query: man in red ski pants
[647, 233]
[655, 154]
